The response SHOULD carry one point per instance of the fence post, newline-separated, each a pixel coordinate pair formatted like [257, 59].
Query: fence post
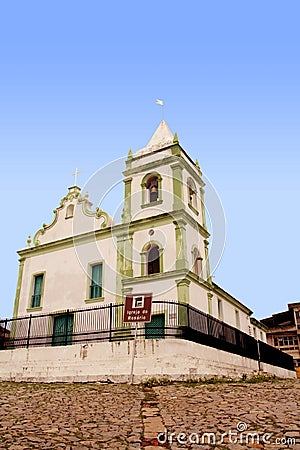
[67, 327]
[188, 315]
[237, 339]
[110, 321]
[258, 354]
[28, 333]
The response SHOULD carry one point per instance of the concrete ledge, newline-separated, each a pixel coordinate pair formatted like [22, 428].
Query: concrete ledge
[175, 359]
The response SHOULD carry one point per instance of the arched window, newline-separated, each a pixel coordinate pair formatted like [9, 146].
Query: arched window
[70, 211]
[153, 260]
[192, 196]
[152, 187]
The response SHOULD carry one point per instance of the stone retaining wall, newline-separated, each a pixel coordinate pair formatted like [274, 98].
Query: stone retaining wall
[172, 358]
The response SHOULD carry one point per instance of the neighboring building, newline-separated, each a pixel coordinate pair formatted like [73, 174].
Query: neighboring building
[257, 329]
[4, 336]
[283, 331]
[83, 259]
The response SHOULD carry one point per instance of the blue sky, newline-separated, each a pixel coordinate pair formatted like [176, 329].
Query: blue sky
[78, 84]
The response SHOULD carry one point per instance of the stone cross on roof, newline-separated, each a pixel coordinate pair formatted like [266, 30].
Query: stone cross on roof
[77, 172]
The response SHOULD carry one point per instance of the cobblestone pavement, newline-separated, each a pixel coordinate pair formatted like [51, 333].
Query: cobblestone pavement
[107, 416]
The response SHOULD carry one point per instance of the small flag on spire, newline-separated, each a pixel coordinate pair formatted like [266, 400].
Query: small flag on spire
[159, 102]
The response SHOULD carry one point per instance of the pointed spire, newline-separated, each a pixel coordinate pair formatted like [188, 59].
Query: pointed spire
[130, 153]
[175, 139]
[161, 137]
[197, 164]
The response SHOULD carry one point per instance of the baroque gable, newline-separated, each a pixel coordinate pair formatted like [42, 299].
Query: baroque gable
[72, 217]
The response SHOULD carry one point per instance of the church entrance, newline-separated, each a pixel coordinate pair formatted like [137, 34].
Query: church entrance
[156, 328]
[63, 329]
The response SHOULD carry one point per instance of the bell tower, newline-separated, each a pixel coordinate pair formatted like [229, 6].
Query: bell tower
[164, 214]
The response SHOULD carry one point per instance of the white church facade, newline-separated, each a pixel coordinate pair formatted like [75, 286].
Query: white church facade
[161, 247]
[76, 272]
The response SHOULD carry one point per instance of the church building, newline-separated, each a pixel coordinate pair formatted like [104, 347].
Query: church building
[77, 272]
[161, 247]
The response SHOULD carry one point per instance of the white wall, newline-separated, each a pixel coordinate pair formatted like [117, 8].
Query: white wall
[198, 297]
[66, 276]
[172, 358]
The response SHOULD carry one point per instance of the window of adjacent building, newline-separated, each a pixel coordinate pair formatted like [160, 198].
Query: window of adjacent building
[152, 188]
[220, 309]
[96, 281]
[70, 212]
[153, 260]
[37, 291]
[288, 342]
[209, 303]
[237, 319]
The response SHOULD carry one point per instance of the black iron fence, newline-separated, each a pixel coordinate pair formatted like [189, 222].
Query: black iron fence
[105, 323]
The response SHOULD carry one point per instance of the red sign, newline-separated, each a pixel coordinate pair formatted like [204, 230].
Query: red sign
[137, 308]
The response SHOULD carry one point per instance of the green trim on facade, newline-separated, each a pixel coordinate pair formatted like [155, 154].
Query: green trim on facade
[203, 214]
[128, 255]
[175, 139]
[178, 201]
[149, 278]
[18, 289]
[148, 205]
[120, 270]
[183, 214]
[209, 303]
[183, 154]
[183, 290]
[183, 296]
[207, 265]
[143, 263]
[126, 215]
[94, 300]
[193, 209]
[38, 308]
[167, 161]
[181, 251]
[118, 230]
[176, 149]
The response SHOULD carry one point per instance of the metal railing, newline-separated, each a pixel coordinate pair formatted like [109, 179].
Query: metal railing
[105, 323]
